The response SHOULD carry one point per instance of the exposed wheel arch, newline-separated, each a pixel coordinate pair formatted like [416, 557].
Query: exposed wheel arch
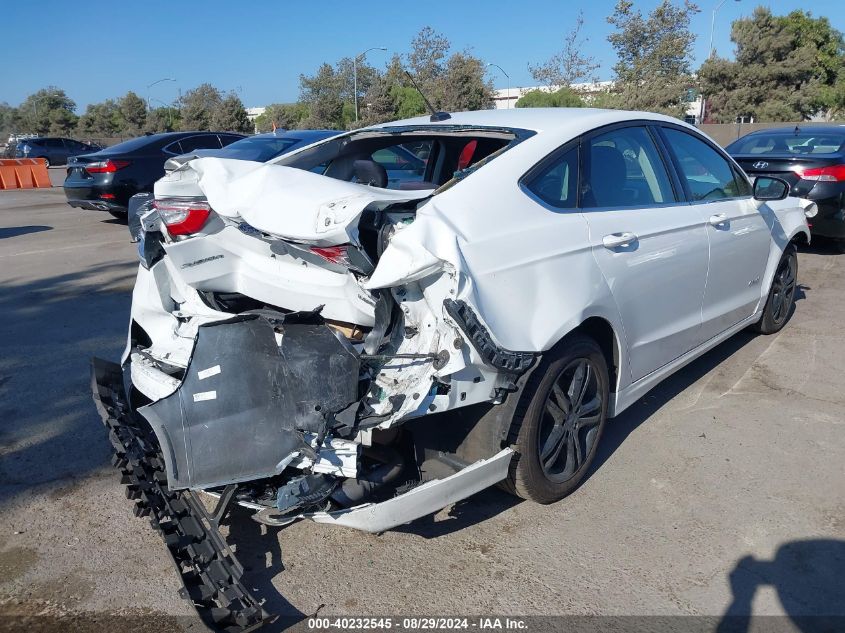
[602, 332]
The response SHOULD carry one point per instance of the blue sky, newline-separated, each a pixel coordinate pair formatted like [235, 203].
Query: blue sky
[96, 50]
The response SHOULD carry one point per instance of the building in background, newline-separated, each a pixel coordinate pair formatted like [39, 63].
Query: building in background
[507, 97]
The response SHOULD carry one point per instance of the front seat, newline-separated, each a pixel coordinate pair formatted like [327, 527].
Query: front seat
[369, 172]
[608, 178]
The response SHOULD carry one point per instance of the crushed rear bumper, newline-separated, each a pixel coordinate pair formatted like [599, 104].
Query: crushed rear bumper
[210, 573]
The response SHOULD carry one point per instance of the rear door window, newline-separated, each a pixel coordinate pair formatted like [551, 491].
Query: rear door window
[201, 141]
[556, 184]
[707, 174]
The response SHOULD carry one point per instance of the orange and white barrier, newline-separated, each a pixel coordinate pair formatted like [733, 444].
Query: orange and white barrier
[24, 173]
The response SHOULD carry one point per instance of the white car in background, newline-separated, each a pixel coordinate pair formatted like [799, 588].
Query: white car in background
[299, 327]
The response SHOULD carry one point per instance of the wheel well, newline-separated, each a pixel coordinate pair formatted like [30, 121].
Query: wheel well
[601, 331]
[800, 238]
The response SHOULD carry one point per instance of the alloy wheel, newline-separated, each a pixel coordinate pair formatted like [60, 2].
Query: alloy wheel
[571, 420]
[783, 289]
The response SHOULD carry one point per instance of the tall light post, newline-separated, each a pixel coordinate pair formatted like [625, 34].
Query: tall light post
[169, 107]
[710, 53]
[710, 50]
[157, 81]
[355, 74]
[508, 82]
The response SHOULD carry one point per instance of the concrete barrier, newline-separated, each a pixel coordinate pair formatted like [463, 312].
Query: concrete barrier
[24, 173]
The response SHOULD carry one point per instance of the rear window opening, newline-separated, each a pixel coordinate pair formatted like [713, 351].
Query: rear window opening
[790, 144]
[423, 158]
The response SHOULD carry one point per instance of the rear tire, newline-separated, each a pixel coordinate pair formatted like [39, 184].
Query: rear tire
[781, 297]
[46, 161]
[557, 427]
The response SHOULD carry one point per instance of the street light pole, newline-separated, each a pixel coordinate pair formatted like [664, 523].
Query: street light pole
[710, 53]
[508, 81]
[158, 81]
[355, 74]
[710, 50]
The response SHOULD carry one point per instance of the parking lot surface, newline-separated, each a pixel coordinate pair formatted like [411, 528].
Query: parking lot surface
[722, 491]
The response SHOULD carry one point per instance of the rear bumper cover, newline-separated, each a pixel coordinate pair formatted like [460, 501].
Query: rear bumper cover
[246, 399]
[830, 221]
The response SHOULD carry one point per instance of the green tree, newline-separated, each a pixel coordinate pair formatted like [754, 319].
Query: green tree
[48, 111]
[323, 95]
[286, 116]
[570, 65]
[463, 86]
[9, 121]
[654, 56]
[133, 114]
[230, 116]
[164, 119]
[100, 120]
[562, 98]
[787, 68]
[198, 106]
[427, 59]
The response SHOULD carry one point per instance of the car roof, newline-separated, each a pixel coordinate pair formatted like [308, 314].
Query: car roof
[559, 120]
[300, 134]
[810, 129]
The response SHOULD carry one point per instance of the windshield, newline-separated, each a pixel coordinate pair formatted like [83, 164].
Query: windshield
[259, 148]
[790, 144]
[412, 158]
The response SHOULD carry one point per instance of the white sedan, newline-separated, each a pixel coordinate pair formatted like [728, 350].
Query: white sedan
[299, 327]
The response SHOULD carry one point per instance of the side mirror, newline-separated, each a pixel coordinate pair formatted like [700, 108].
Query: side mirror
[770, 188]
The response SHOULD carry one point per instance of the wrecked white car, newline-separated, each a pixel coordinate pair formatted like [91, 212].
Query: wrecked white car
[380, 324]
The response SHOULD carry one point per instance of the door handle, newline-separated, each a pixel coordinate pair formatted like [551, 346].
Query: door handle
[615, 240]
[718, 219]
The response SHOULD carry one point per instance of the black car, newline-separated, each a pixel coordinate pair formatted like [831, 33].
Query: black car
[811, 160]
[55, 150]
[105, 180]
[264, 147]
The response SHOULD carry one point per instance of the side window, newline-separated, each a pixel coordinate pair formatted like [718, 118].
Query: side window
[174, 148]
[708, 175]
[53, 143]
[403, 163]
[623, 168]
[205, 141]
[556, 184]
[226, 139]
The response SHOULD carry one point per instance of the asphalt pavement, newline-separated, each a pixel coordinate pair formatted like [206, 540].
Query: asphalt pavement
[721, 492]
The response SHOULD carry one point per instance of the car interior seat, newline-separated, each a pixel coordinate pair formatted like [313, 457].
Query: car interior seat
[608, 179]
[369, 172]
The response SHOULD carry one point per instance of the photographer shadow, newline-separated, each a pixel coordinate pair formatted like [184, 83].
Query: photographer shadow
[809, 578]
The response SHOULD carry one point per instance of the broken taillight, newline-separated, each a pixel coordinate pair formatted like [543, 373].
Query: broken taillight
[334, 254]
[183, 217]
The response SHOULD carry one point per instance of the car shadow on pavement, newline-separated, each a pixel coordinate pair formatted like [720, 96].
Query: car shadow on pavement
[259, 551]
[16, 231]
[476, 509]
[821, 246]
[618, 429]
[809, 579]
[50, 433]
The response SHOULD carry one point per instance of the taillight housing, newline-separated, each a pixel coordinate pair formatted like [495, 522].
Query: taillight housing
[105, 166]
[831, 173]
[183, 217]
[334, 254]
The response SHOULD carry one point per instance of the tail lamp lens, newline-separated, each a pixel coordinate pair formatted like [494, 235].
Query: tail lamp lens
[183, 217]
[333, 254]
[106, 166]
[831, 173]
